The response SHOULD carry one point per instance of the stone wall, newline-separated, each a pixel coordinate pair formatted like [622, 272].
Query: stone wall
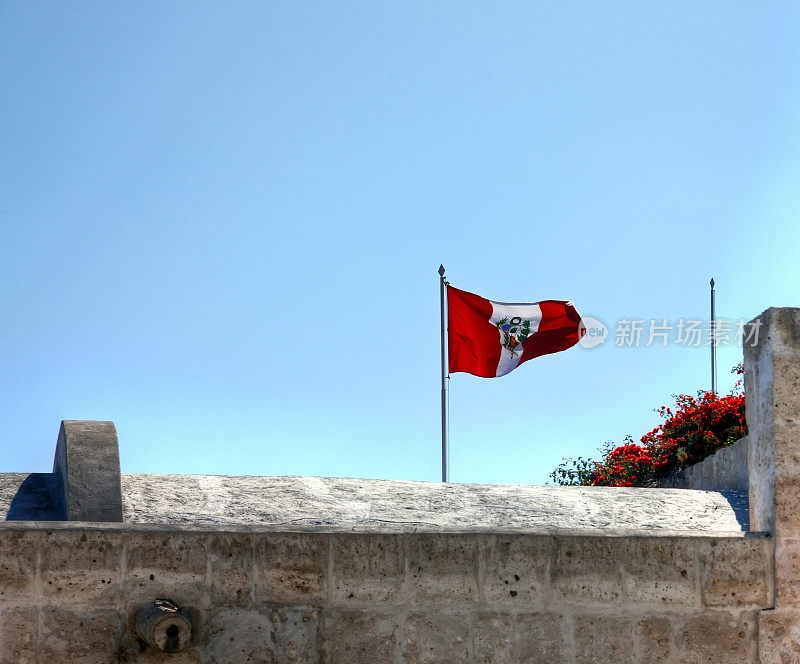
[725, 470]
[772, 386]
[323, 571]
[69, 593]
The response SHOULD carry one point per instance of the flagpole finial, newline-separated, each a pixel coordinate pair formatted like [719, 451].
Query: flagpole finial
[441, 270]
[712, 282]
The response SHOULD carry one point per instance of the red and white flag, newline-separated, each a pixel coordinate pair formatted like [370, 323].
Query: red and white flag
[490, 339]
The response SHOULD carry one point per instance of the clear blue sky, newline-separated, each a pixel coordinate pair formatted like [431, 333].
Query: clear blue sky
[221, 222]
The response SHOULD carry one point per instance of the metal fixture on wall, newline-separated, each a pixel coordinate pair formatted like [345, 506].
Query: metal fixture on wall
[165, 627]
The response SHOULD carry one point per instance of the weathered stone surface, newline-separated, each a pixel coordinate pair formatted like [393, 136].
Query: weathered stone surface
[81, 565]
[658, 571]
[786, 432]
[79, 635]
[230, 565]
[515, 568]
[714, 637]
[787, 572]
[368, 568]
[359, 637]
[601, 639]
[87, 460]
[725, 470]
[269, 635]
[296, 632]
[492, 639]
[391, 506]
[239, 635]
[772, 385]
[167, 565]
[541, 637]
[779, 636]
[18, 635]
[586, 570]
[736, 572]
[758, 385]
[17, 564]
[291, 568]
[434, 638]
[654, 636]
[31, 497]
[442, 569]
[787, 507]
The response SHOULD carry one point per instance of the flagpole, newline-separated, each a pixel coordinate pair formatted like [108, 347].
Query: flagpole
[713, 341]
[442, 289]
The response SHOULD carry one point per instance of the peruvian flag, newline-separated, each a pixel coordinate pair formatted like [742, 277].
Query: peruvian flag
[490, 339]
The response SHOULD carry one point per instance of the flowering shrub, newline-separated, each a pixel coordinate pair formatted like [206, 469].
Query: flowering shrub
[697, 427]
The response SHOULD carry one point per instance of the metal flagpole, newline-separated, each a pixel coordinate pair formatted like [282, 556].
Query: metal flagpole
[442, 288]
[713, 342]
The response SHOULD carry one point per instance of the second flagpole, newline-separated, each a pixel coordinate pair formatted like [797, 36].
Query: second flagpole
[713, 328]
[442, 296]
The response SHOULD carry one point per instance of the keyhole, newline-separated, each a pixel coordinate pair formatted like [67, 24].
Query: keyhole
[172, 643]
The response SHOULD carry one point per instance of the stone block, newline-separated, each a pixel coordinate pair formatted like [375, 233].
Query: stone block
[735, 572]
[787, 507]
[492, 639]
[367, 568]
[233, 634]
[540, 637]
[358, 637]
[586, 570]
[296, 632]
[82, 565]
[291, 568]
[761, 468]
[230, 565]
[715, 637]
[80, 636]
[269, 635]
[602, 639]
[787, 572]
[659, 571]
[786, 383]
[758, 383]
[515, 568]
[786, 432]
[87, 461]
[167, 565]
[654, 636]
[772, 385]
[442, 568]
[779, 636]
[435, 638]
[18, 564]
[18, 635]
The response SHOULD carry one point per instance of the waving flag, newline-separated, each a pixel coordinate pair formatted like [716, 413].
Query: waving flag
[491, 339]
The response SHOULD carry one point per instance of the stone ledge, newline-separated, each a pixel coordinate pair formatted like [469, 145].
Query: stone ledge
[340, 504]
[725, 470]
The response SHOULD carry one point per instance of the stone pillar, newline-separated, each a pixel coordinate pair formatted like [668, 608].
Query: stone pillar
[772, 388]
[87, 462]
